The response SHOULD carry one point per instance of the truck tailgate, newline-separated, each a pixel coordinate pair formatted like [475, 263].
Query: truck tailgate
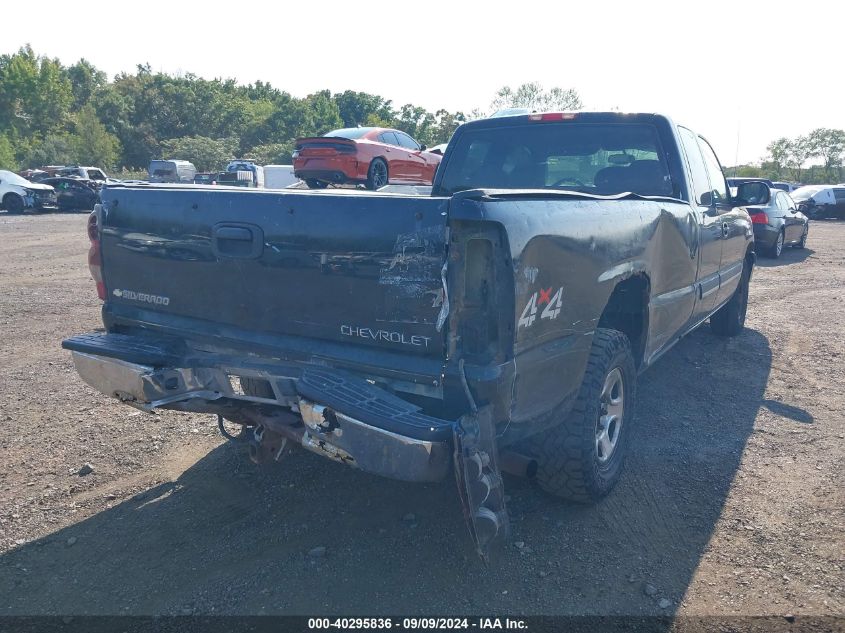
[363, 269]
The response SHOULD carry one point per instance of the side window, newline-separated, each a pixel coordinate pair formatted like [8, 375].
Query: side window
[389, 138]
[714, 170]
[407, 142]
[700, 185]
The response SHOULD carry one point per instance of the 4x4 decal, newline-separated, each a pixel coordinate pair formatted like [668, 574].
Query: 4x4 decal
[542, 297]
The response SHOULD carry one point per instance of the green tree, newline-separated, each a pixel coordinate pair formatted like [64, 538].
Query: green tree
[799, 153]
[53, 149]
[416, 121]
[533, 96]
[445, 126]
[748, 171]
[779, 152]
[7, 154]
[207, 154]
[355, 108]
[35, 94]
[85, 80]
[93, 144]
[270, 154]
[829, 145]
[323, 114]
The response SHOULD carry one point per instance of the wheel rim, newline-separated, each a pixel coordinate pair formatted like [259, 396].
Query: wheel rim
[779, 244]
[379, 174]
[612, 408]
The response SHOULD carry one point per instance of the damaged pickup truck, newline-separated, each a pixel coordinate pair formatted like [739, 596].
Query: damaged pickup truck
[498, 324]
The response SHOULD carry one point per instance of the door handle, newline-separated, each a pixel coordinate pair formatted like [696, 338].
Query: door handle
[694, 233]
[235, 240]
[725, 229]
[234, 233]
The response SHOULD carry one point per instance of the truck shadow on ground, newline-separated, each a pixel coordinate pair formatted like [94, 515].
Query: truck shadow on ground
[229, 537]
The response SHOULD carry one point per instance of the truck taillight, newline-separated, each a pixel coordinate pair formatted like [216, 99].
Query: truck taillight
[759, 218]
[95, 260]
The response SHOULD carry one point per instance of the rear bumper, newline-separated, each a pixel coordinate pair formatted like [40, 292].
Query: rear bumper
[765, 235]
[338, 416]
[326, 175]
[329, 169]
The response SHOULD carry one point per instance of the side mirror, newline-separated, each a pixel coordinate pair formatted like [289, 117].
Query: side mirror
[756, 193]
[423, 147]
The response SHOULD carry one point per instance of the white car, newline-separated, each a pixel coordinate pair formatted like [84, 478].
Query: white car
[18, 194]
[820, 201]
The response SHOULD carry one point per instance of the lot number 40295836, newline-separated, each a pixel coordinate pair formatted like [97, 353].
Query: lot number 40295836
[542, 297]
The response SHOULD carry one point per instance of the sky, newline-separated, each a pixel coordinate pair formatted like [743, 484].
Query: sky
[740, 73]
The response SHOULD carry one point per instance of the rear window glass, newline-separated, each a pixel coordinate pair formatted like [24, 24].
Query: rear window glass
[590, 158]
[350, 132]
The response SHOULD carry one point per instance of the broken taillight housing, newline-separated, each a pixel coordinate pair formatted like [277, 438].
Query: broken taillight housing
[759, 218]
[95, 259]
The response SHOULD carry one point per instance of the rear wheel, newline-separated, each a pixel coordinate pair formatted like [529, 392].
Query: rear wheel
[13, 203]
[729, 320]
[377, 176]
[316, 184]
[777, 248]
[581, 459]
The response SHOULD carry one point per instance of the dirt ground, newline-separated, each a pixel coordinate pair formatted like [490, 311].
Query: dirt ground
[732, 502]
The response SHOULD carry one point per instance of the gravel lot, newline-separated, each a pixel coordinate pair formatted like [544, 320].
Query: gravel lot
[732, 502]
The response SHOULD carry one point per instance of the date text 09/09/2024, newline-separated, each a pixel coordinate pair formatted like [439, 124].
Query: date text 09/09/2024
[429, 623]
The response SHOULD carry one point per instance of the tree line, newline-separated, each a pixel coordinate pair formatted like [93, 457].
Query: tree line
[54, 114]
[787, 159]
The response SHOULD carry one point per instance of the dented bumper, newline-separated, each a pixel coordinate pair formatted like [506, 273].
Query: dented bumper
[324, 426]
[323, 409]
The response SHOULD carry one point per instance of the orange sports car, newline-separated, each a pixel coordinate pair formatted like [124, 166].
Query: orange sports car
[375, 156]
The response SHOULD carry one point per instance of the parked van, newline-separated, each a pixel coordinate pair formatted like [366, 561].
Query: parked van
[240, 164]
[172, 171]
[279, 176]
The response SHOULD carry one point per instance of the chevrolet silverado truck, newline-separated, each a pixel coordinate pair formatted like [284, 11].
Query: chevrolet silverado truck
[495, 325]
